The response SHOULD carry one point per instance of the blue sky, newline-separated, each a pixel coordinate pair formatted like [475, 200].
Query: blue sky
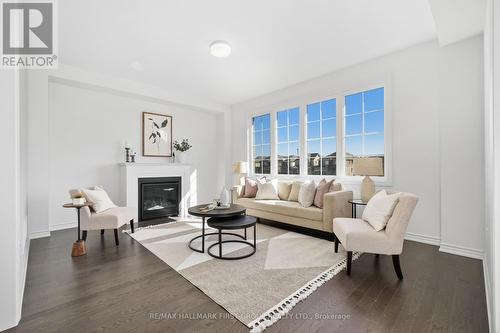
[368, 105]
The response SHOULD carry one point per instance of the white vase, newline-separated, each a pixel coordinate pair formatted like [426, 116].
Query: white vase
[181, 157]
[224, 197]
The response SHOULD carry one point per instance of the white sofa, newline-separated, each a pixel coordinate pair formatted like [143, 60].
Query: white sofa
[335, 204]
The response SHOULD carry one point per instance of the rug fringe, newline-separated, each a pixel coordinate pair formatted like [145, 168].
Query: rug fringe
[281, 309]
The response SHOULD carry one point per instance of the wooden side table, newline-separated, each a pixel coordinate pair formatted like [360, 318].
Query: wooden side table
[79, 248]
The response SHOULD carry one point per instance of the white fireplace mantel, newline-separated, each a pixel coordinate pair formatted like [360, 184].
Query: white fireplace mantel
[131, 172]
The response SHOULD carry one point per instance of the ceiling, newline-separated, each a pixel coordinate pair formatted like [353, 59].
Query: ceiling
[276, 43]
[458, 19]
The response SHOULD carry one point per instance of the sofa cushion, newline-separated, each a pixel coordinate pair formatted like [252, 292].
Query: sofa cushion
[99, 199]
[284, 189]
[335, 187]
[267, 191]
[358, 235]
[321, 190]
[283, 207]
[251, 186]
[112, 218]
[379, 209]
[294, 191]
[307, 193]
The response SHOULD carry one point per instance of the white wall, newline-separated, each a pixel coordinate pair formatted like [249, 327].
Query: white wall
[13, 256]
[491, 261]
[38, 153]
[86, 132]
[461, 126]
[419, 90]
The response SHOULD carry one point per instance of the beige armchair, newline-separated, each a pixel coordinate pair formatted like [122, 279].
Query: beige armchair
[112, 218]
[358, 235]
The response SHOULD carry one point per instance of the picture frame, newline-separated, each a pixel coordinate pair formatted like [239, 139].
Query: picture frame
[156, 135]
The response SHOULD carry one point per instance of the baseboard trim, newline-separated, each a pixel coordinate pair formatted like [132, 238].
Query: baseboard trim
[422, 238]
[62, 226]
[39, 234]
[25, 273]
[487, 289]
[461, 251]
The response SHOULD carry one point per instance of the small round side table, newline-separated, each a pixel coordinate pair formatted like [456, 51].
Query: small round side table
[79, 248]
[354, 203]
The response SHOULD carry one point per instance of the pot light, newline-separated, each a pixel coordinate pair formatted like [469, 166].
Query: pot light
[220, 49]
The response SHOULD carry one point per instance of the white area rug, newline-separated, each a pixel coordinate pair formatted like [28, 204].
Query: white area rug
[257, 290]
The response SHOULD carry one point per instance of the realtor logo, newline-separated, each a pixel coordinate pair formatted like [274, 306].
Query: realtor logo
[28, 32]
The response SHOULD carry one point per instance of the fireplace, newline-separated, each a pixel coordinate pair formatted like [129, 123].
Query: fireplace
[159, 198]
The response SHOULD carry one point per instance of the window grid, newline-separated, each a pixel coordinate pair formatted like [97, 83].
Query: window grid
[261, 162]
[288, 142]
[363, 134]
[364, 128]
[321, 138]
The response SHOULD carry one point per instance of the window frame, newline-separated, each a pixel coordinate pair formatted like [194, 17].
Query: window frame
[301, 102]
[271, 144]
[321, 137]
[277, 143]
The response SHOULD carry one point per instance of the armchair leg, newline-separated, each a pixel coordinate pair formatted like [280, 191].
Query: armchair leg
[117, 242]
[349, 262]
[336, 245]
[102, 232]
[397, 266]
[132, 226]
[84, 235]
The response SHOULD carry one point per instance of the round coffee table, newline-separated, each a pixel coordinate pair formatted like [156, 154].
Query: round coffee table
[233, 223]
[233, 210]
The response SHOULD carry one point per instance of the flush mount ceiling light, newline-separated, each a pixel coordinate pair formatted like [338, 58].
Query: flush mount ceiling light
[137, 66]
[220, 49]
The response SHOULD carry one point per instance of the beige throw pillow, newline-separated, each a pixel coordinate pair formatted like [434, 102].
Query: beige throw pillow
[321, 190]
[294, 191]
[284, 189]
[335, 187]
[267, 191]
[99, 198]
[379, 209]
[306, 194]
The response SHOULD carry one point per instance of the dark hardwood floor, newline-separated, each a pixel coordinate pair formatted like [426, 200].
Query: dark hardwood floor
[128, 289]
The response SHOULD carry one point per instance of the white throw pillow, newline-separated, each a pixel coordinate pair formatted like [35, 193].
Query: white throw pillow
[306, 194]
[379, 209]
[99, 198]
[267, 191]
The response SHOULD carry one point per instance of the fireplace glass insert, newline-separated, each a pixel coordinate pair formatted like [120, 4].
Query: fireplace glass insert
[159, 198]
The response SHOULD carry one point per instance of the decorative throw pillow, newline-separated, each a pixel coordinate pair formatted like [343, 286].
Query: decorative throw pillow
[294, 191]
[251, 186]
[306, 194]
[335, 187]
[284, 189]
[99, 198]
[267, 191]
[323, 187]
[379, 209]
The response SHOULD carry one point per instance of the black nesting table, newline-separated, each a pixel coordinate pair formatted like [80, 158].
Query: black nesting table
[233, 223]
[233, 211]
